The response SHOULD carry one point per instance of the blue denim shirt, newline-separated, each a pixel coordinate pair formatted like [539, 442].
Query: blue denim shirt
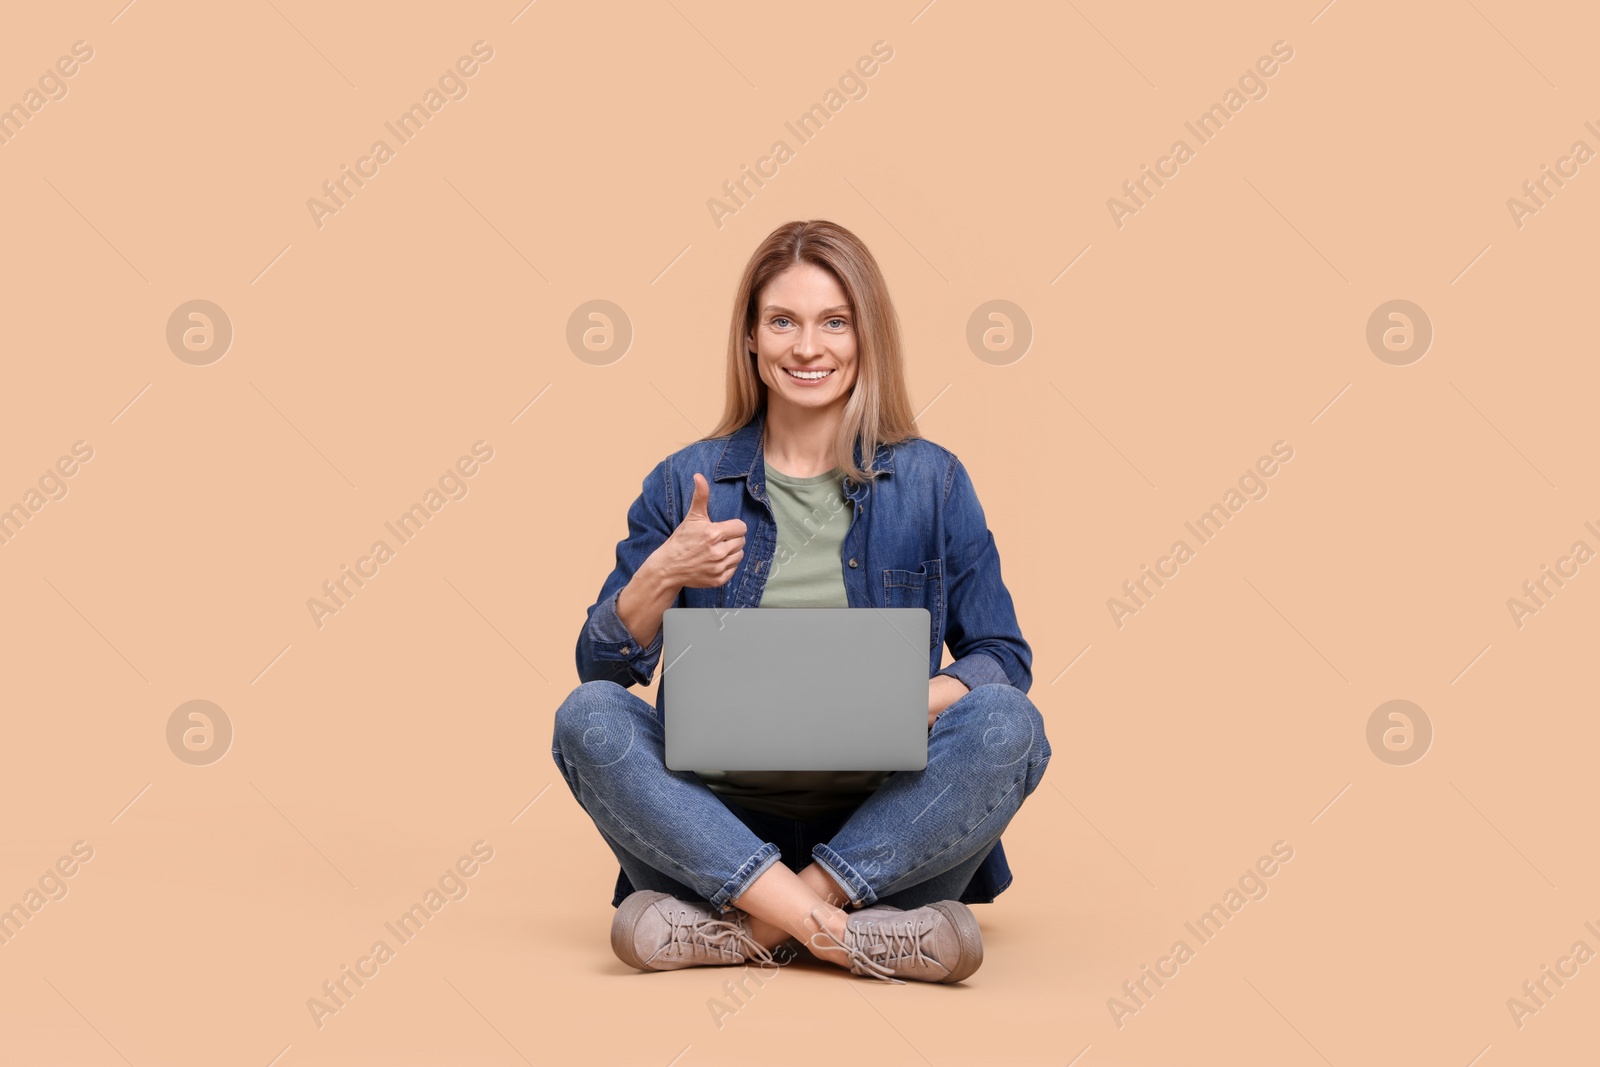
[917, 539]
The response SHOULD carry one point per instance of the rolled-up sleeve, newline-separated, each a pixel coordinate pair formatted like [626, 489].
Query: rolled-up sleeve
[981, 622]
[606, 650]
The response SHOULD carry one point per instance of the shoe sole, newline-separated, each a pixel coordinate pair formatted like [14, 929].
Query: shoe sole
[969, 937]
[626, 921]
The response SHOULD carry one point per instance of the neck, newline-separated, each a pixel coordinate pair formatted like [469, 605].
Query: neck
[799, 441]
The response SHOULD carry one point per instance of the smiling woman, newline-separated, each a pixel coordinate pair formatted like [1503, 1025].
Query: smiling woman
[810, 360]
[814, 490]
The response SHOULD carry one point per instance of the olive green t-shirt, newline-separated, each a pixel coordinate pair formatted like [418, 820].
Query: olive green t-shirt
[813, 516]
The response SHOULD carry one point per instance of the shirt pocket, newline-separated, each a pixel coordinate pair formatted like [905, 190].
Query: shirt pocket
[922, 588]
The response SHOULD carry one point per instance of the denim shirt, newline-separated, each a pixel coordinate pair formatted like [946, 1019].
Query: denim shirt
[917, 539]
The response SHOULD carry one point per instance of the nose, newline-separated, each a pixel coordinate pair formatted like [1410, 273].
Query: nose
[807, 343]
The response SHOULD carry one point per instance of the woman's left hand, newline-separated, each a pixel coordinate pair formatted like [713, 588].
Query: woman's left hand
[943, 691]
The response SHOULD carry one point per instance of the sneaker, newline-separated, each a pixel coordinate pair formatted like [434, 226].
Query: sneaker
[658, 932]
[938, 943]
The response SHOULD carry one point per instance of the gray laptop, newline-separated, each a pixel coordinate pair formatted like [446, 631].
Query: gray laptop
[795, 689]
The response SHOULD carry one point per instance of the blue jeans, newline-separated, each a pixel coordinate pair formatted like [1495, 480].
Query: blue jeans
[918, 839]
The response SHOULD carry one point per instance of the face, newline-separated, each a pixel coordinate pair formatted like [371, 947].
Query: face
[804, 339]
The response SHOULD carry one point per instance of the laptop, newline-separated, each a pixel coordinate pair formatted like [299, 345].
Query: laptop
[795, 689]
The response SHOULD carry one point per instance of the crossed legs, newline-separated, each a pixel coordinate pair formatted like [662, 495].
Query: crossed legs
[926, 828]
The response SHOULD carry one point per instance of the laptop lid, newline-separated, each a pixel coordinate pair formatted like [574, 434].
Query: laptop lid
[795, 689]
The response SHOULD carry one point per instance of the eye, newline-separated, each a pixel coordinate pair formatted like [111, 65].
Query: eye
[842, 322]
[779, 320]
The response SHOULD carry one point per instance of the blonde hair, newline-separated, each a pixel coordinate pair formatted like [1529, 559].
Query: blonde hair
[878, 411]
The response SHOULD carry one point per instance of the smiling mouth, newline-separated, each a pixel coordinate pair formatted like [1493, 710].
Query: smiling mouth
[808, 375]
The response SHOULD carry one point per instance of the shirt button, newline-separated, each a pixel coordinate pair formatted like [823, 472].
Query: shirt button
[626, 650]
[852, 563]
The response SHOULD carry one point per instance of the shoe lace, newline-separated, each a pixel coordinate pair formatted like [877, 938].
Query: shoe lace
[893, 941]
[871, 949]
[688, 931]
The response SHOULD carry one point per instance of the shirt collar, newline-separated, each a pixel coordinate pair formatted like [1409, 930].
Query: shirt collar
[741, 455]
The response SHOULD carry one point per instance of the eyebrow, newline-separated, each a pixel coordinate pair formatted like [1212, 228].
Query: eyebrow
[825, 311]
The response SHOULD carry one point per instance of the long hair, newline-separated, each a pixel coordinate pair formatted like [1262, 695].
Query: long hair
[878, 411]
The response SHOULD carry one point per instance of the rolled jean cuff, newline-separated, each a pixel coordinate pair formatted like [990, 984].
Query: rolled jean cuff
[753, 868]
[856, 888]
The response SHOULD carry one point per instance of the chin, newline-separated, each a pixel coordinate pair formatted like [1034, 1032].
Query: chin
[813, 398]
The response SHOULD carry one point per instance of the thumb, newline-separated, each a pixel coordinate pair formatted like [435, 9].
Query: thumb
[702, 498]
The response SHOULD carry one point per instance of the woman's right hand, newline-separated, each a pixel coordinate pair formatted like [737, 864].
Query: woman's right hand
[702, 554]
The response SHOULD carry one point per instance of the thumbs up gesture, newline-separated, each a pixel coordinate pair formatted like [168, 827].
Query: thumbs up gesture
[702, 554]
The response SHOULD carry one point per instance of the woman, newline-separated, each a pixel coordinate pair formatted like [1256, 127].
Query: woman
[814, 490]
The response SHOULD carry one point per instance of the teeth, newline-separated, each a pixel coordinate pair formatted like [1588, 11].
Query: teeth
[810, 375]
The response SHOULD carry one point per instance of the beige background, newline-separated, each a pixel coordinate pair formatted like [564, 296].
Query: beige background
[368, 354]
